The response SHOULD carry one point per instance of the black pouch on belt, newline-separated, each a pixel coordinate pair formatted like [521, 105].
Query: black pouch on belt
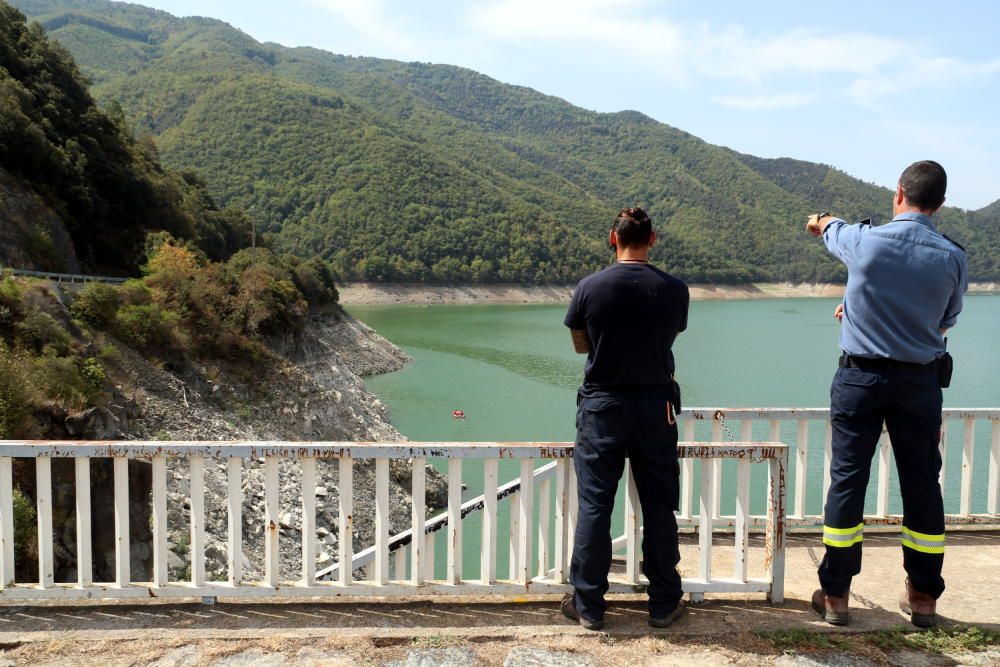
[945, 366]
[675, 398]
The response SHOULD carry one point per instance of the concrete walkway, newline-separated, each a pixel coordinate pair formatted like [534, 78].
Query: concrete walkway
[972, 574]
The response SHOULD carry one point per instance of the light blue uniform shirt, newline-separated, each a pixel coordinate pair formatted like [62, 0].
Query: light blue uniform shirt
[905, 283]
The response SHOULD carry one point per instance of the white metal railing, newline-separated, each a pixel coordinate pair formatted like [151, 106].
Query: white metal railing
[812, 431]
[63, 277]
[539, 551]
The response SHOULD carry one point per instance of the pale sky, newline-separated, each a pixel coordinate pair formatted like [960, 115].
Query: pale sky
[867, 87]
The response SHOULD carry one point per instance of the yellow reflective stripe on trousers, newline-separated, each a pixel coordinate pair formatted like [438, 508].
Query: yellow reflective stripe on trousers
[923, 542]
[843, 537]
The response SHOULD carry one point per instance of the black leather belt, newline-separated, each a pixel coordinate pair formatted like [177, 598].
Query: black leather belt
[864, 363]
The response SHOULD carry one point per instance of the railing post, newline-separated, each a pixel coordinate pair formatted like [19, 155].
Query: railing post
[122, 540]
[43, 491]
[801, 467]
[562, 522]
[943, 448]
[527, 499]
[965, 501]
[488, 557]
[454, 520]
[513, 535]
[827, 459]
[882, 495]
[418, 491]
[272, 554]
[84, 561]
[345, 522]
[544, 491]
[716, 472]
[775, 555]
[234, 481]
[633, 539]
[197, 495]
[705, 514]
[381, 521]
[6, 522]
[308, 521]
[687, 473]
[159, 470]
[993, 495]
[742, 512]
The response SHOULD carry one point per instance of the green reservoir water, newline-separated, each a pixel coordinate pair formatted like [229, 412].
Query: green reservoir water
[512, 370]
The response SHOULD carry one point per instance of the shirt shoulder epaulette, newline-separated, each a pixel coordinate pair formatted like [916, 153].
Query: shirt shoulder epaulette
[955, 243]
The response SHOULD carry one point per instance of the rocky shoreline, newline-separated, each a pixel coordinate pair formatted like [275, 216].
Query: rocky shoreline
[307, 389]
[420, 294]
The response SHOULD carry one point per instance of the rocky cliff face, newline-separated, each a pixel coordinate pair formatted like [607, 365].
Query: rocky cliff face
[306, 390]
[32, 236]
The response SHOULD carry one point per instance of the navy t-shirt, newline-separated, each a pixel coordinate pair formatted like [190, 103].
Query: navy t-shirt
[632, 313]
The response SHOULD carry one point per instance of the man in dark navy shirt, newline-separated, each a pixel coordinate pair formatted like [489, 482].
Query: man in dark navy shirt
[625, 318]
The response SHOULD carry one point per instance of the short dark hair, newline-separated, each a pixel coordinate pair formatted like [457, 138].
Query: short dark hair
[633, 227]
[924, 184]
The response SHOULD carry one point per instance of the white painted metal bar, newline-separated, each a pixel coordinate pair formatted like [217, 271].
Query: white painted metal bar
[526, 527]
[965, 500]
[801, 467]
[705, 513]
[454, 573]
[716, 472]
[563, 536]
[84, 557]
[742, 535]
[399, 564]
[488, 556]
[123, 564]
[234, 482]
[827, 459]
[43, 493]
[544, 548]
[418, 511]
[429, 541]
[882, 494]
[993, 493]
[6, 522]
[513, 535]
[197, 495]
[345, 520]
[308, 521]
[775, 536]
[687, 473]
[633, 538]
[775, 430]
[381, 521]
[159, 471]
[573, 510]
[272, 553]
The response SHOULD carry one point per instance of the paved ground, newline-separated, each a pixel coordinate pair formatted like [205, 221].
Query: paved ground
[487, 631]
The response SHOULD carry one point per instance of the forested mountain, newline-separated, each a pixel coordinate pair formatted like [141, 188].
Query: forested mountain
[409, 171]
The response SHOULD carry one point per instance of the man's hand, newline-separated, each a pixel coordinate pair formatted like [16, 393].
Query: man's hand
[838, 312]
[816, 223]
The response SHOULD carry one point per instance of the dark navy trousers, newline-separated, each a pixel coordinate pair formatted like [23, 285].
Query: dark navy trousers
[908, 403]
[609, 428]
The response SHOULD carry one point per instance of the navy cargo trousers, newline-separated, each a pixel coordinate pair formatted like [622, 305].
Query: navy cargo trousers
[908, 402]
[608, 429]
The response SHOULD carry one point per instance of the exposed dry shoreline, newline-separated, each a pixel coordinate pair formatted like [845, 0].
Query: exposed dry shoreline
[417, 293]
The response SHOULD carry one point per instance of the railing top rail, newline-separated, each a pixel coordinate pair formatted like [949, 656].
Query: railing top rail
[66, 277]
[354, 450]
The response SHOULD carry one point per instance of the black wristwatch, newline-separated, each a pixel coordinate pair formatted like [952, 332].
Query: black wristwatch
[820, 216]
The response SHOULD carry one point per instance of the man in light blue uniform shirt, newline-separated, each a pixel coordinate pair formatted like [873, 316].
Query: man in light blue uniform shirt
[904, 291]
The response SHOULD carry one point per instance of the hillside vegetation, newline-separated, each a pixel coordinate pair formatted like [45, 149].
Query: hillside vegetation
[410, 171]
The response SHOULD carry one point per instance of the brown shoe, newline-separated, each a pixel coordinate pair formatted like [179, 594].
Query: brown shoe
[832, 609]
[668, 620]
[920, 607]
[568, 607]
